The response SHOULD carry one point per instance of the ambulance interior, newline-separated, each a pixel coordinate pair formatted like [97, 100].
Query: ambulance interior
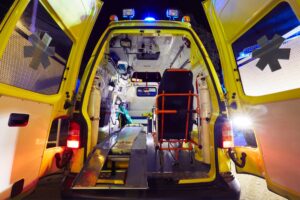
[155, 100]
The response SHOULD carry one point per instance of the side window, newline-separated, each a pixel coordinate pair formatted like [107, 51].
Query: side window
[37, 53]
[268, 54]
[4, 7]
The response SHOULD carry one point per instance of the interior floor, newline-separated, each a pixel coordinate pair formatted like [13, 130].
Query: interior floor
[136, 147]
[186, 167]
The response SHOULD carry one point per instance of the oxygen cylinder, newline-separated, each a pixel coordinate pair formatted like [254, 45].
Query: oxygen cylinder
[205, 113]
[94, 110]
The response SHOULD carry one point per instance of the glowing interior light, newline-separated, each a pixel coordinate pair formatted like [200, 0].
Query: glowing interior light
[242, 121]
[136, 80]
[149, 19]
[110, 88]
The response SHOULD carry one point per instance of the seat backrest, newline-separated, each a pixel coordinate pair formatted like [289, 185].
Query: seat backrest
[173, 126]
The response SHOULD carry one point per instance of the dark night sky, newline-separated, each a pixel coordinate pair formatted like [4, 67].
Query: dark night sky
[143, 8]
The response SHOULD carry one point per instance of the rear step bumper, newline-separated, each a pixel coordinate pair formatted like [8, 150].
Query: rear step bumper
[228, 188]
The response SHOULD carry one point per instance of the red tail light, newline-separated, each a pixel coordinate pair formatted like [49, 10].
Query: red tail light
[74, 135]
[227, 136]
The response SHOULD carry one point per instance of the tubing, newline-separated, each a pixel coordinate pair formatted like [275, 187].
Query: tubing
[205, 113]
[94, 111]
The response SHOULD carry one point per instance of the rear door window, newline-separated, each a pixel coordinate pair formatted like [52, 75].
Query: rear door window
[268, 54]
[36, 54]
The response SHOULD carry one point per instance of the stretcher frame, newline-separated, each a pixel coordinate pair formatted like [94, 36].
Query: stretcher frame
[163, 111]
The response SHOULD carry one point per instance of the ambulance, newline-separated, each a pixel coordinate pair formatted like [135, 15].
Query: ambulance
[151, 115]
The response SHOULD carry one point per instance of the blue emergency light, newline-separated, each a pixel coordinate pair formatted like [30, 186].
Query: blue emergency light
[128, 13]
[149, 19]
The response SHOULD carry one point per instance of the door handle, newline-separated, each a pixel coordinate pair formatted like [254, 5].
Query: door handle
[18, 120]
[235, 159]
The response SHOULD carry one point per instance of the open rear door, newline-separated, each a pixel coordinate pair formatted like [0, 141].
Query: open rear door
[42, 43]
[259, 48]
